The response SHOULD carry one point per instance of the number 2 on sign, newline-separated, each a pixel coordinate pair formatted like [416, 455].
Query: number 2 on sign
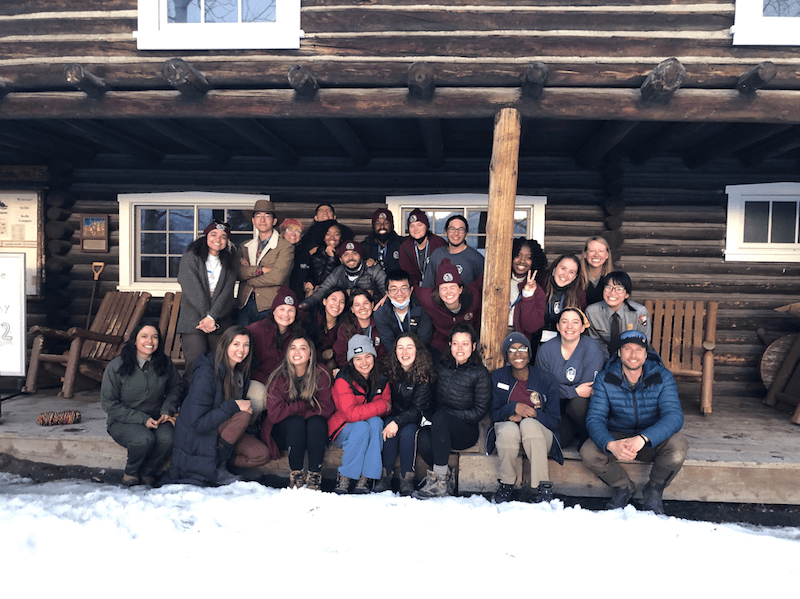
[4, 336]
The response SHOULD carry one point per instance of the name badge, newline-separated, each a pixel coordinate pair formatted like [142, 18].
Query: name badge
[503, 386]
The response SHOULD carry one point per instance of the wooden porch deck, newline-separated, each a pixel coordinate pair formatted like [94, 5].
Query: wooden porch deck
[744, 452]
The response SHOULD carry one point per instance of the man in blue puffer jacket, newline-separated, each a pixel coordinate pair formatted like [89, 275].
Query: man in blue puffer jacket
[635, 413]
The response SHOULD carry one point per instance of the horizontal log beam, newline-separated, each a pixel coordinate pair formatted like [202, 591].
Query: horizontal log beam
[687, 105]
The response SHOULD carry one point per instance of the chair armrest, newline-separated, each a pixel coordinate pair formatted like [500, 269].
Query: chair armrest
[48, 332]
[709, 345]
[103, 338]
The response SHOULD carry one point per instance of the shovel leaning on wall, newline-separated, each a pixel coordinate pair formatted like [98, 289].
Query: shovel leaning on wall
[97, 268]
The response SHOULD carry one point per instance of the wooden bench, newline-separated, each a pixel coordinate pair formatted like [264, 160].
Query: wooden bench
[684, 335]
[167, 325]
[90, 350]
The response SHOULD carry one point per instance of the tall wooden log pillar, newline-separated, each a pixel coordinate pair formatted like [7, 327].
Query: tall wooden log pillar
[503, 172]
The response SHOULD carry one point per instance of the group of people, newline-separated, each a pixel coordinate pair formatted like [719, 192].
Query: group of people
[372, 346]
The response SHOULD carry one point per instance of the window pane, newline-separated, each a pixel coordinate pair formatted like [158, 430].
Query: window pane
[258, 11]
[781, 8]
[181, 219]
[440, 219]
[178, 242]
[784, 217]
[153, 243]
[183, 11]
[153, 220]
[520, 223]
[477, 228]
[153, 266]
[239, 222]
[204, 218]
[756, 222]
[222, 11]
[174, 264]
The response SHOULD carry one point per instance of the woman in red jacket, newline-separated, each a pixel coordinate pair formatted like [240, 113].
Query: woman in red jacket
[299, 403]
[362, 396]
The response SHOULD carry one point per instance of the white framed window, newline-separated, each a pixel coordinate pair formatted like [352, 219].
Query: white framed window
[763, 223]
[218, 25]
[528, 214]
[156, 228]
[766, 23]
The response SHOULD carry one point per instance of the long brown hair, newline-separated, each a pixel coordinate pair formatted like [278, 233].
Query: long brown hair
[230, 383]
[571, 290]
[307, 390]
[348, 320]
[421, 371]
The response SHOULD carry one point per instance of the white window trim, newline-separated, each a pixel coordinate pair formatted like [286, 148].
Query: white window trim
[735, 247]
[128, 237]
[155, 33]
[752, 28]
[396, 204]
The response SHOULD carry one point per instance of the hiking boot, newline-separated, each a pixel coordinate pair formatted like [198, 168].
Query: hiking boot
[342, 485]
[503, 493]
[407, 484]
[652, 498]
[222, 477]
[544, 493]
[129, 480]
[297, 479]
[621, 496]
[314, 481]
[383, 484]
[435, 486]
[150, 481]
[362, 486]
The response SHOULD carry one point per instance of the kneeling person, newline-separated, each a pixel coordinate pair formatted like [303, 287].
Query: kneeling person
[635, 413]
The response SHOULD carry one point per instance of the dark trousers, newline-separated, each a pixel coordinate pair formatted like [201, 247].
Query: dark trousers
[196, 344]
[148, 448]
[300, 435]
[446, 433]
[403, 443]
[249, 313]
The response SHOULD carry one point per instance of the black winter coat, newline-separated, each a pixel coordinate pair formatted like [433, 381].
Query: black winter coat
[410, 402]
[194, 454]
[464, 391]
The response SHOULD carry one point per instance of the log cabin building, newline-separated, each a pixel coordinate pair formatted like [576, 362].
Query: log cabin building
[639, 120]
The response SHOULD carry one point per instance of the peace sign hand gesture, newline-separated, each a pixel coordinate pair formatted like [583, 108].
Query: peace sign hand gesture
[530, 283]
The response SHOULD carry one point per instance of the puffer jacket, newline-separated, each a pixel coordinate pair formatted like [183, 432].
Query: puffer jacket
[464, 391]
[409, 402]
[651, 407]
[353, 405]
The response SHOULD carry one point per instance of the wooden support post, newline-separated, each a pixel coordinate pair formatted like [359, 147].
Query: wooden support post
[663, 81]
[757, 77]
[185, 78]
[302, 81]
[421, 81]
[503, 172]
[534, 80]
[92, 85]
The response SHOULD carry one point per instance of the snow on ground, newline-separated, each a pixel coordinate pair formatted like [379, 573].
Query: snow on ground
[88, 540]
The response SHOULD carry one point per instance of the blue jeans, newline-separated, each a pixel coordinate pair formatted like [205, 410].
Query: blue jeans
[362, 443]
[404, 443]
[249, 313]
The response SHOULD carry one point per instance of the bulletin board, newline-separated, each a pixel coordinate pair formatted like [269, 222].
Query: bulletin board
[12, 314]
[21, 232]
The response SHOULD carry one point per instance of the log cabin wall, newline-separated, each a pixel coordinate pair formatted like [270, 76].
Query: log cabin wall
[588, 128]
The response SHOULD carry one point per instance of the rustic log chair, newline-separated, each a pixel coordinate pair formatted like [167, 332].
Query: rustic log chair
[167, 325]
[90, 350]
[684, 334]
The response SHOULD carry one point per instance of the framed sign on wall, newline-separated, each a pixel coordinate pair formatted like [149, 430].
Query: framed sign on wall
[21, 230]
[12, 314]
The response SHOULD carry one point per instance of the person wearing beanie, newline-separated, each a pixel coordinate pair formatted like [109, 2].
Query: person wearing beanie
[352, 273]
[270, 338]
[468, 260]
[382, 246]
[266, 263]
[207, 275]
[450, 303]
[635, 413]
[362, 396]
[416, 249]
[525, 409]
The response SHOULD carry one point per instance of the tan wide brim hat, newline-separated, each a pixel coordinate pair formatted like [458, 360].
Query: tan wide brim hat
[263, 206]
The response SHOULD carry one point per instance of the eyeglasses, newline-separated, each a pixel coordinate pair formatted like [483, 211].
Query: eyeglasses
[457, 230]
[514, 350]
[403, 289]
[617, 288]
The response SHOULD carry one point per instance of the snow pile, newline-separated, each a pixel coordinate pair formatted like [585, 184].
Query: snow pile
[107, 541]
